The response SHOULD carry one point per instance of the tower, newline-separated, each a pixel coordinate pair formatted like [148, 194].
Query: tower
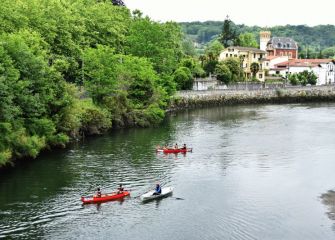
[264, 39]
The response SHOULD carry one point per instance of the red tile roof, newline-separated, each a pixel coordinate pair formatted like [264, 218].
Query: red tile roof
[303, 62]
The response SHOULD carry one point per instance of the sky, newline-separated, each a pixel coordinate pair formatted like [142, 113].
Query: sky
[250, 12]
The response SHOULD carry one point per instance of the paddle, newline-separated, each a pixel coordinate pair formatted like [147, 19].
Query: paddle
[178, 198]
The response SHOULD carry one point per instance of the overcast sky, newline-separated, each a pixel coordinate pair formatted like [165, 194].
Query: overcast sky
[249, 12]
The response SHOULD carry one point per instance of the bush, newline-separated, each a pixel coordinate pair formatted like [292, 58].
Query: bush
[94, 120]
[5, 157]
[184, 79]
[223, 73]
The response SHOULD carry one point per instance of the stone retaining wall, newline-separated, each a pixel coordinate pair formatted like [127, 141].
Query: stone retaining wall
[195, 99]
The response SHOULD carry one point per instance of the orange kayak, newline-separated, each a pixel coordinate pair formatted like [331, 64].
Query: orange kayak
[104, 197]
[172, 150]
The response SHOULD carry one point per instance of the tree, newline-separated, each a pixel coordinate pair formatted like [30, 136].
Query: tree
[158, 42]
[184, 79]
[329, 52]
[223, 73]
[235, 68]
[293, 78]
[254, 68]
[229, 34]
[213, 50]
[193, 65]
[303, 78]
[247, 40]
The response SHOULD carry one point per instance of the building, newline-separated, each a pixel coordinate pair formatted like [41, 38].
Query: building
[325, 73]
[278, 46]
[273, 61]
[248, 56]
[209, 83]
[323, 68]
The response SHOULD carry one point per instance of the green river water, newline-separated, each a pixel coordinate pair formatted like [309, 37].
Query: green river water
[256, 172]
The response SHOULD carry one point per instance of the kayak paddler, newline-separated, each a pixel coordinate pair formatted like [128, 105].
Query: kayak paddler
[158, 190]
[120, 189]
[98, 192]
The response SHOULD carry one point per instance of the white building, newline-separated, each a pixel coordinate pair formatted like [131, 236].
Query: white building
[325, 73]
[323, 69]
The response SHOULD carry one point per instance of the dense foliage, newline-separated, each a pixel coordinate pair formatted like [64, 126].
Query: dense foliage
[311, 40]
[303, 78]
[76, 67]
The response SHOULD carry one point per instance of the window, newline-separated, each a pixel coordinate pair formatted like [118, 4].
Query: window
[261, 56]
[235, 55]
[231, 55]
[279, 45]
[260, 75]
[290, 54]
[227, 55]
[254, 55]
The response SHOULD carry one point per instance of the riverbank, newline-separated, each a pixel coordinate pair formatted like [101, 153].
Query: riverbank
[197, 99]
[97, 124]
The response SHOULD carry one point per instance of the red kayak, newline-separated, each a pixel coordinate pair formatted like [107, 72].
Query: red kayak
[104, 197]
[172, 150]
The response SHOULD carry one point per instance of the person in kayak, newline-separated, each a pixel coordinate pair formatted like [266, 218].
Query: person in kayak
[184, 147]
[176, 146]
[158, 190]
[120, 189]
[98, 192]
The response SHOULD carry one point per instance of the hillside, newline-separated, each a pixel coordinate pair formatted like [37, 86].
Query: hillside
[314, 38]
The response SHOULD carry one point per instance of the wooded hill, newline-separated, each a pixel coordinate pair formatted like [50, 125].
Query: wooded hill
[311, 40]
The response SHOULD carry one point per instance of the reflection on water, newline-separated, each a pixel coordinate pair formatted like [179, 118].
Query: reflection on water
[255, 172]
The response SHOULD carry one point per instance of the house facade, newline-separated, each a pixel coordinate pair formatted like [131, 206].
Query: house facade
[323, 68]
[325, 73]
[247, 56]
[278, 46]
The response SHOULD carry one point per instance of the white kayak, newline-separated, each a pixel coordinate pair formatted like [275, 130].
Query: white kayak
[149, 195]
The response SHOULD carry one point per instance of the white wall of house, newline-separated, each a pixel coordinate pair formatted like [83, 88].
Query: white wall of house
[277, 60]
[325, 73]
[228, 53]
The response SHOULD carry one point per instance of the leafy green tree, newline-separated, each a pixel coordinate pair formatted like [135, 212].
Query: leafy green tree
[223, 73]
[235, 68]
[188, 48]
[247, 40]
[210, 60]
[213, 50]
[303, 78]
[293, 78]
[184, 79]
[111, 74]
[194, 66]
[159, 42]
[254, 68]
[329, 52]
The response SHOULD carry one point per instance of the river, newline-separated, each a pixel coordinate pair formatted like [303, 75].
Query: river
[256, 172]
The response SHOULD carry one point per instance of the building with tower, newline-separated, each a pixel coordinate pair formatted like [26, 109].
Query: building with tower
[278, 46]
